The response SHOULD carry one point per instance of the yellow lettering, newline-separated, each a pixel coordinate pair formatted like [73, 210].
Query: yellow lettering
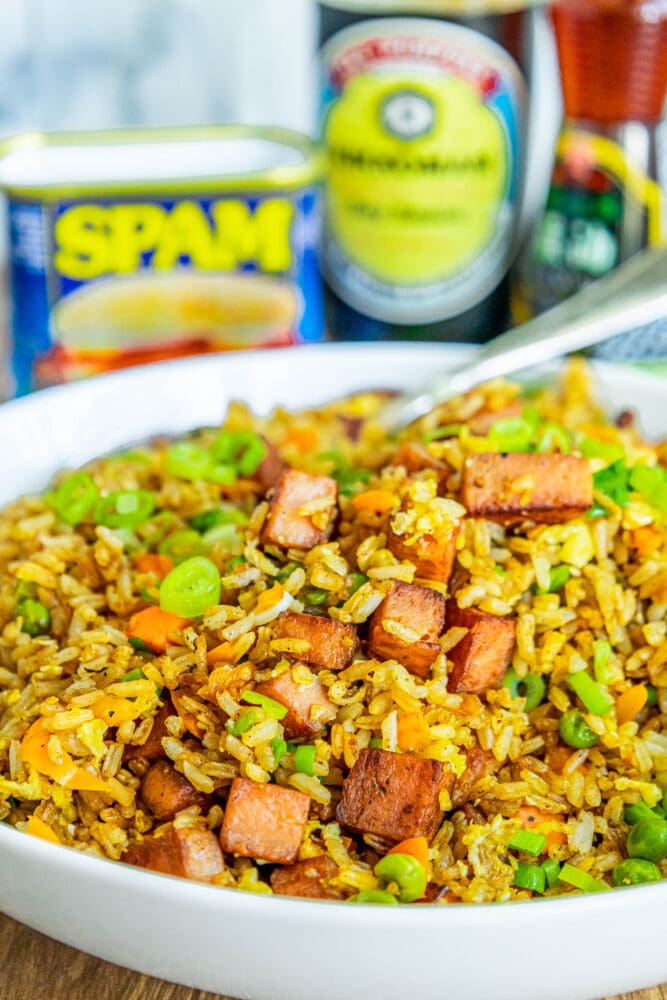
[82, 245]
[262, 236]
[134, 230]
[187, 233]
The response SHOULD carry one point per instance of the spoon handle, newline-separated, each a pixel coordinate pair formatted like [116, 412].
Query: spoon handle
[630, 296]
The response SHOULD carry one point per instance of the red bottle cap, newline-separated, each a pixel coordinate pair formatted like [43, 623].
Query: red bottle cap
[613, 58]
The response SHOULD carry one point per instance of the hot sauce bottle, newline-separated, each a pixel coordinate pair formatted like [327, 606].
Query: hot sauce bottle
[605, 201]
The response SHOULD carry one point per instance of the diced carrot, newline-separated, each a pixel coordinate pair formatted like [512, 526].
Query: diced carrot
[38, 828]
[152, 562]
[113, 710]
[630, 703]
[269, 597]
[647, 539]
[189, 718]
[416, 847]
[34, 752]
[154, 627]
[413, 731]
[542, 822]
[224, 653]
[377, 501]
[304, 439]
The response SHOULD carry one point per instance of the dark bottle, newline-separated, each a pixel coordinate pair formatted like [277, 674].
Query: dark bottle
[423, 120]
[605, 201]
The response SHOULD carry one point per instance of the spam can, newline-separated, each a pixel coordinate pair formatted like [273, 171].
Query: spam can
[134, 246]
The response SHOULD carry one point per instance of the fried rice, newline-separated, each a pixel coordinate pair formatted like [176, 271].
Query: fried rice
[93, 716]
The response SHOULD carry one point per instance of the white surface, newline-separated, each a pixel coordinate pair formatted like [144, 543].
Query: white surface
[274, 948]
[155, 160]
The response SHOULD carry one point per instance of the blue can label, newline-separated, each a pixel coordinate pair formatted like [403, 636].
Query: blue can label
[99, 284]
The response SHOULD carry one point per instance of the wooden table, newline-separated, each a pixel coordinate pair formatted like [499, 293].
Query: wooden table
[33, 967]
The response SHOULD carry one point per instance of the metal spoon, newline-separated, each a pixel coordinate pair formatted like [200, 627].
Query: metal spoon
[630, 296]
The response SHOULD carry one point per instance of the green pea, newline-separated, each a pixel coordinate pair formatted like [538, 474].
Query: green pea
[315, 595]
[647, 839]
[358, 580]
[36, 617]
[634, 871]
[532, 687]
[285, 573]
[406, 872]
[636, 811]
[373, 896]
[575, 731]
[651, 695]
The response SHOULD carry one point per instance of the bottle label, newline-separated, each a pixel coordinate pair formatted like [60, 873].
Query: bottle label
[601, 209]
[421, 122]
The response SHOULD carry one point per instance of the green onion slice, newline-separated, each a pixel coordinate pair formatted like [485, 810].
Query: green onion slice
[279, 747]
[124, 508]
[74, 499]
[602, 667]
[181, 545]
[304, 758]
[270, 705]
[191, 587]
[581, 880]
[529, 842]
[531, 877]
[245, 721]
[243, 451]
[596, 700]
[551, 869]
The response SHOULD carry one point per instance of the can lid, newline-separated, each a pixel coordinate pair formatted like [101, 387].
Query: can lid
[47, 166]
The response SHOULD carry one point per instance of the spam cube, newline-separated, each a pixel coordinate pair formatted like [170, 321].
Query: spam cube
[332, 645]
[480, 659]
[415, 457]
[301, 511]
[394, 795]
[270, 469]
[406, 625]
[308, 706]
[152, 749]
[188, 853]
[511, 487]
[306, 879]
[479, 763]
[264, 821]
[165, 791]
[432, 555]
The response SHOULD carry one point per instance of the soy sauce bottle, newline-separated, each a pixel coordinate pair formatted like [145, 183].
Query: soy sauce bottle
[423, 120]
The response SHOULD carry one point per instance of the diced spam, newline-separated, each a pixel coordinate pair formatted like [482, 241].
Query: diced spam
[188, 853]
[308, 706]
[270, 468]
[394, 795]
[306, 879]
[165, 791]
[152, 749]
[332, 644]
[415, 457]
[511, 487]
[266, 822]
[479, 763]
[433, 556]
[418, 608]
[480, 659]
[301, 510]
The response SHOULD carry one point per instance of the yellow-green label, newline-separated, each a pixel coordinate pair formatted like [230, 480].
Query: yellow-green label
[420, 127]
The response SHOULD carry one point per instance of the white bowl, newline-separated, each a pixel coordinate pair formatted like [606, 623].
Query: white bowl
[275, 948]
